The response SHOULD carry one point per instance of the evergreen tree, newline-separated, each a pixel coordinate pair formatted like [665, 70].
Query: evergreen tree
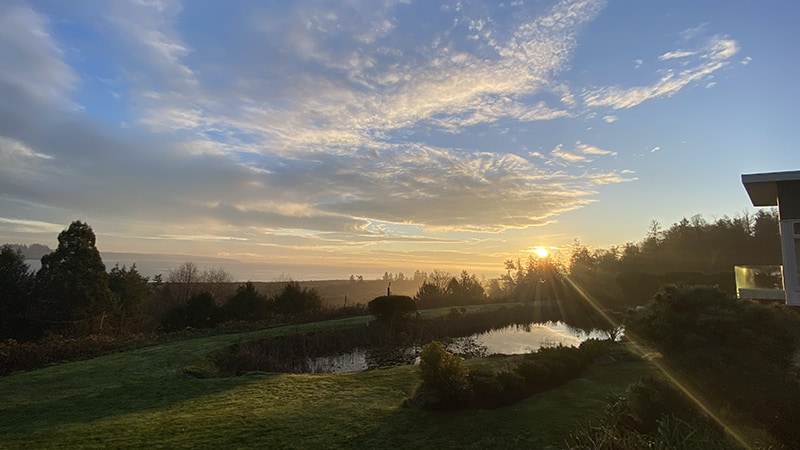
[72, 283]
[131, 290]
[15, 295]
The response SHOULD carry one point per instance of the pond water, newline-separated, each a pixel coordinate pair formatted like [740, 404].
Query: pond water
[511, 340]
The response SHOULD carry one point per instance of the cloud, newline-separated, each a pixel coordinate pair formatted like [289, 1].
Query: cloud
[30, 226]
[713, 56]
[32, 63]
[577, 157]
[592, 150]
[676, 54]
[326, 123]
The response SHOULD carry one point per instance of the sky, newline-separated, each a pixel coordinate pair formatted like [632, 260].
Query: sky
[328, 138]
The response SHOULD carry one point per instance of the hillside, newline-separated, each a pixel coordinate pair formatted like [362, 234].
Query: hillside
[141, 399]
[333, 292]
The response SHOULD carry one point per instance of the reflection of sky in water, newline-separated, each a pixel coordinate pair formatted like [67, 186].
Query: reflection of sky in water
[511, 340]
[515, 340]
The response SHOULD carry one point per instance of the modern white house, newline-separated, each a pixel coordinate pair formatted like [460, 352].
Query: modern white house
[781, 189]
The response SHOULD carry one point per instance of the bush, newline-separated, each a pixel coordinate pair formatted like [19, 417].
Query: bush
[390, 308]
[53, 348]
[537, 375]
[738, 353]
[199, 312]
[592, 348]
[651, 414]
[444, 375]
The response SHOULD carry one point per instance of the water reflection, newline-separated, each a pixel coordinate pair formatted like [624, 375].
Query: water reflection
[511, 340]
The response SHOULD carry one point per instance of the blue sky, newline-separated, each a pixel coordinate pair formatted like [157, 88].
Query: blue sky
[369, 135]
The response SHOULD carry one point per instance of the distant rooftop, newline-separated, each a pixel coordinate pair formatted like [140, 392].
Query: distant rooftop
[763, 187]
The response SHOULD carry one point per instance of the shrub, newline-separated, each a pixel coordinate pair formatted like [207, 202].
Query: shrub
[390, 308]
[650, 414]
[738, 353]
[444, 374]
[592, 348]
[537, 375]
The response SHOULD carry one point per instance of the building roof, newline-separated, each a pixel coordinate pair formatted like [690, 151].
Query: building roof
[763, 187]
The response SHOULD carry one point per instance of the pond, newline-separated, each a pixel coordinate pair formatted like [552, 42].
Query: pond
[510, 340]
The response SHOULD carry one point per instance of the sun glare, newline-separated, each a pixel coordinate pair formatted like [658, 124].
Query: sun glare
[541, 252]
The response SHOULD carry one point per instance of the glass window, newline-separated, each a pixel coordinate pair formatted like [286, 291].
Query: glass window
[797, 256]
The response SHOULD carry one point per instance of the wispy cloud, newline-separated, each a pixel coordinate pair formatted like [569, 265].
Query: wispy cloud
[713, 56]
[32, 62]
[676, 54]
[324, 124]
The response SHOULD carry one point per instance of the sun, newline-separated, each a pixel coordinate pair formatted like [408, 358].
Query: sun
[541, 252]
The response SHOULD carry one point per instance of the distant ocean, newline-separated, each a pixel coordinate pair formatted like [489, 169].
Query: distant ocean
[151, 265]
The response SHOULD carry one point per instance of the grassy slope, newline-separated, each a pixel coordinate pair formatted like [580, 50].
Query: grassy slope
[140, 398]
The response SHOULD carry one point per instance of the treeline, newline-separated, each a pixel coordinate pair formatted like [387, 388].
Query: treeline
[440, 289]
[692, 251]
[72, 294]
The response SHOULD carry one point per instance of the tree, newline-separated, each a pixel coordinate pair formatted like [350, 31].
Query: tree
[184, 281]
[466, 289]
[430, 294]
[72, 283]
[131, 289]
[15, 293]
[294, 299]
[247, 304]
[218, 282]
[202, 312]
[187, 280]
[433, 291]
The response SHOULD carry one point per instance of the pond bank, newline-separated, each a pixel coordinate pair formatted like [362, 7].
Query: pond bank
[378, 345]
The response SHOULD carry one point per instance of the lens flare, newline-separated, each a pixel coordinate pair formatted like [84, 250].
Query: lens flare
[670, 374]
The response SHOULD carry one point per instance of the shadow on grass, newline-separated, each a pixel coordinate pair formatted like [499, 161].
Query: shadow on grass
[103, 387]
[544, 420]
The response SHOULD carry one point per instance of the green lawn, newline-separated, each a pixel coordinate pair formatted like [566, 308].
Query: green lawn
[141, 398]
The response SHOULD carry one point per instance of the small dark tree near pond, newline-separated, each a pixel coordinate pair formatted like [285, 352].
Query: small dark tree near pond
[199, 312]
[392, 308]
[247, 304]
[294, 299]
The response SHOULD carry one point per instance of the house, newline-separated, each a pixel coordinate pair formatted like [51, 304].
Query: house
[781, 189]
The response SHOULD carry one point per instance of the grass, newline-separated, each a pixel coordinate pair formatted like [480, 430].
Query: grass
[142, 399]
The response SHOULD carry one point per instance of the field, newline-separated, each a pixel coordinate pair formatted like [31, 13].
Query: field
[143, 399]
[333, 292]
